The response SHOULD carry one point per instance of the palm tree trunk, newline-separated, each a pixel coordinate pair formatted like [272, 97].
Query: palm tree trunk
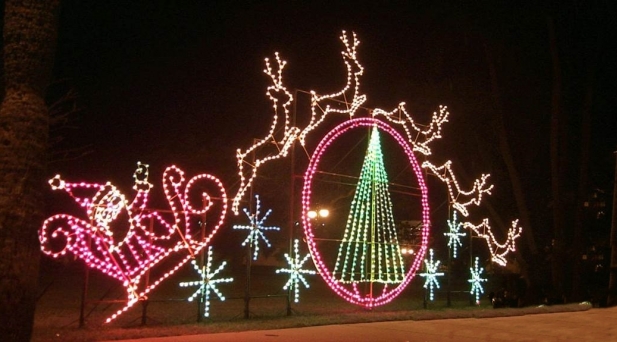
[29, 35]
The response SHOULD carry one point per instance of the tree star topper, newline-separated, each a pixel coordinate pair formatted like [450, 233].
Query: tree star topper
[207, 283]
[256, 228]
[296, 272]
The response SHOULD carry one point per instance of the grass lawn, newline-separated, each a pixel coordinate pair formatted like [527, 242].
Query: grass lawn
[169, 314]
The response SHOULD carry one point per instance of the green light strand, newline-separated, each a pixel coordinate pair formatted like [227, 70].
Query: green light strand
[369, 251]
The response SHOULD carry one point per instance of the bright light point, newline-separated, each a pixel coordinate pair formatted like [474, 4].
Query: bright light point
[407, 251]
[313, 214]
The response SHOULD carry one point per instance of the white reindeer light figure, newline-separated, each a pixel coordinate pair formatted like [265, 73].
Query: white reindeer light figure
[350, 92]
[281, 100]
[498, 250]
[422, 137]
[283, 134]
[459, 198]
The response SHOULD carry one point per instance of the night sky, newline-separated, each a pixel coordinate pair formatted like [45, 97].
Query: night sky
[182, 82]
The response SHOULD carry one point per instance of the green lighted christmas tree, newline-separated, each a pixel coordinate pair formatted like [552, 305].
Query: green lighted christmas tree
[369, 251]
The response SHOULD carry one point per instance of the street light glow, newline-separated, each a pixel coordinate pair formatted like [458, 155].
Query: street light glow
[406, 250]
[323, 213]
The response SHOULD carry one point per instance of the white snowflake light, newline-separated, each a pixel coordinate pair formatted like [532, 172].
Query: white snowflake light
[454, 234]
[431, 275]
[476, 281]
[256, 228]
[207, 282]
[296, 272]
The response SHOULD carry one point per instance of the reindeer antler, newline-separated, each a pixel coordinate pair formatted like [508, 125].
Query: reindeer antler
[281, 100]
[277, 92]
[290, 133]
[498, 250]
[354, 71]
[473, 196]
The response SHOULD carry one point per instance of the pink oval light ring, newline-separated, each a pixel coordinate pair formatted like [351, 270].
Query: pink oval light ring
[351, 293]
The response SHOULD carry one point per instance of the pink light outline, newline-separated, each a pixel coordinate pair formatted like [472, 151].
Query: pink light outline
[122, 259]
[353, 296]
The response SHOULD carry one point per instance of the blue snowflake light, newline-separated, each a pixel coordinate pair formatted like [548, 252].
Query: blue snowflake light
[256, 228]
[431, 275]
[207, 283]
[296, 272]
[476, 281]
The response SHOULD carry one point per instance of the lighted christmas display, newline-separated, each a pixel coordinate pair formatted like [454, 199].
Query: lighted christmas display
[281, 137]
[350, 290]
[417, 138]
[320, 105]
[283, 134]
[369, 251]
[136, 259]
[461, 199]
[256, 228]
[476, 280]
[140, 247]
[296, 272]
[498, 250]
[207, 282]
[454, 234]
[431, 275]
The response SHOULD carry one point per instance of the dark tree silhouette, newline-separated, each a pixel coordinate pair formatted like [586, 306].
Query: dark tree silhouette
[29, 36]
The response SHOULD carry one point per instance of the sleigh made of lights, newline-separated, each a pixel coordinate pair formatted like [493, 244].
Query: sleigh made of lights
[156, 242]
